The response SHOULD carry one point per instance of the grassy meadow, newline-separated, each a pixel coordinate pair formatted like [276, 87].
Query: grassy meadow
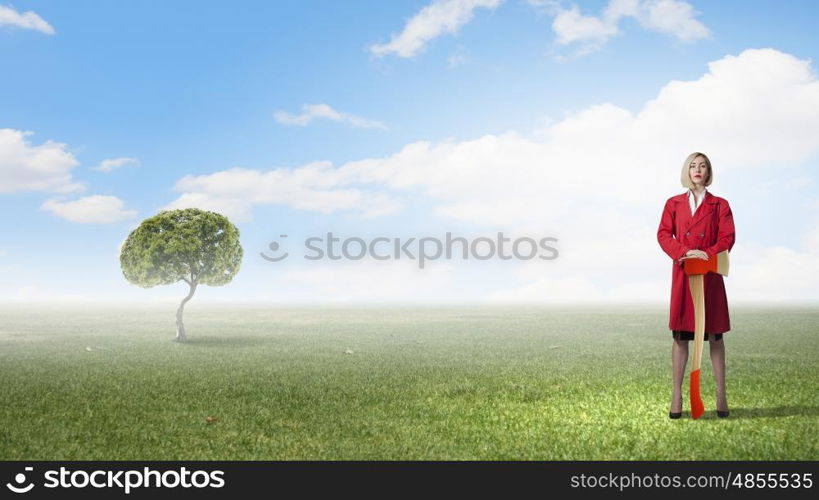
[462, 383]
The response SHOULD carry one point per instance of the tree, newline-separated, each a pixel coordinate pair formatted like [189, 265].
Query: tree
[189, 245]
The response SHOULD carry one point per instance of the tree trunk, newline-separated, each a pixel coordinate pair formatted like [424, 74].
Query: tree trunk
[180, 326]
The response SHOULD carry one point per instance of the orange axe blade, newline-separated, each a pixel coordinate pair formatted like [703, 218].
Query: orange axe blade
[697, 407]
[717, 265]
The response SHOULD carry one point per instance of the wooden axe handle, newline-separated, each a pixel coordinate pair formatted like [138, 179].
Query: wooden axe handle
[695, 283]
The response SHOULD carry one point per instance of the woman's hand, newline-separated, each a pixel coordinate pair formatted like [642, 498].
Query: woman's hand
[694, 254]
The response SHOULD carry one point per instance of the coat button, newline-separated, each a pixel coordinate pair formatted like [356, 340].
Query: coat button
[687, 233]
[702, 235]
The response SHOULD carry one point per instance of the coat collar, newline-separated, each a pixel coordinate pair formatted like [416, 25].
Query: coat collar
[704, 210]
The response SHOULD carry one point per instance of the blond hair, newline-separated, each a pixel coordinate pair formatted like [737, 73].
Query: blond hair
[685, 178]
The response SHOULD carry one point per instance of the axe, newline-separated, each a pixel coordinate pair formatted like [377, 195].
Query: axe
[696, 269]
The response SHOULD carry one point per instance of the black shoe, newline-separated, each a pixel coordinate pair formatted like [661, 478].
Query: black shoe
[678, 414]
[722, 414]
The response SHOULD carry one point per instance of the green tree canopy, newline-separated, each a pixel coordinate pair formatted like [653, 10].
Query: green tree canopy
[190, 245]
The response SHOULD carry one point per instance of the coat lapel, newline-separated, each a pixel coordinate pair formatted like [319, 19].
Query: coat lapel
[703, 211]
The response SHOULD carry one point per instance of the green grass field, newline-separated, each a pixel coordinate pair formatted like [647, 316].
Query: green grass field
[420, 383]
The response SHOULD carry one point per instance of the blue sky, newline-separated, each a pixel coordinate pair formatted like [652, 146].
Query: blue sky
[460, 135]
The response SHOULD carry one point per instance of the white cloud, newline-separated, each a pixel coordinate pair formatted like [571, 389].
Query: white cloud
[572, 26]
[676, 18]
[437, 18]
[810, 240]
[775, 273]
[236, 208]
[27, 20]
[26, 167]
[313, 111]
[109, 165]
[315, 187]
[607, 163]
[96, 209]
[672, 17]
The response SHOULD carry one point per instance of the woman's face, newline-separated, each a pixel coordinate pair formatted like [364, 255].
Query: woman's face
[698, 171]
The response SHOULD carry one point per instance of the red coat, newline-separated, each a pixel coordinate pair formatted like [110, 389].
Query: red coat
[711, 229]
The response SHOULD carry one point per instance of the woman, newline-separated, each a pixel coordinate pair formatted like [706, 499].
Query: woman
[696, 225]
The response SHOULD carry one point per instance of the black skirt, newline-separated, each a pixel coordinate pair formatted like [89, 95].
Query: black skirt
[685, 335]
